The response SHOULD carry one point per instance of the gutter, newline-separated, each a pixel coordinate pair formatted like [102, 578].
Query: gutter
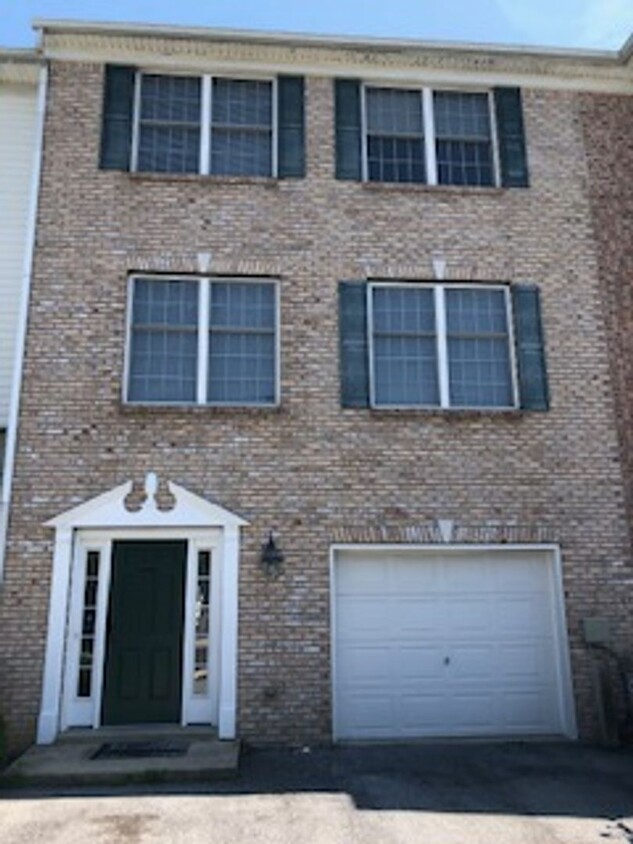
[20, 343]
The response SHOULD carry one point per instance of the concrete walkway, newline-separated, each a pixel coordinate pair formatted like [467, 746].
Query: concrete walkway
[424, 794]
[116, 756]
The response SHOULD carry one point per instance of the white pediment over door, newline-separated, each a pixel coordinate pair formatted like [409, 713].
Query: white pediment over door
[109, 510]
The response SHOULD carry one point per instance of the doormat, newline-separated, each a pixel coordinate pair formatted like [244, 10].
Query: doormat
[140, 749]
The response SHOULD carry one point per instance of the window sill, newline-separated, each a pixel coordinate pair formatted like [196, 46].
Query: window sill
[143, 408]
[445, 413]
[448, 190]
[263, 181]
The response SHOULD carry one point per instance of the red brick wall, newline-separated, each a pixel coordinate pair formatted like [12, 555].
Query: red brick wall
[314, 472]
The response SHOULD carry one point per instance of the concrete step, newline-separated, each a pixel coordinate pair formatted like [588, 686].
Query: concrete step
[70, 761]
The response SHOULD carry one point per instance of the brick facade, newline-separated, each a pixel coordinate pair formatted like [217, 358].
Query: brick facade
[316, 473]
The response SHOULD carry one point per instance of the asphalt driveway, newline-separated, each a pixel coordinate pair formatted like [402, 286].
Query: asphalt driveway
[426, 793]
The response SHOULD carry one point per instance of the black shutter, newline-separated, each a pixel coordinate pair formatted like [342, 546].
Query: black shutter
[512, 152]
[530, 347]
[291, 133]
[353, 344]
[348, 129]
[117, 119]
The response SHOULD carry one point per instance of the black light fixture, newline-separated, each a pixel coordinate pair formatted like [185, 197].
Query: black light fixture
[272, 557]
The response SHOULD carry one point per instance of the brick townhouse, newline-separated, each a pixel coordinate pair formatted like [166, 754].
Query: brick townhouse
[320, 432]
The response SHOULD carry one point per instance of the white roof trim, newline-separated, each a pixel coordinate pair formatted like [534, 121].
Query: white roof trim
[108, 510]
[409, 62]
[317, 39]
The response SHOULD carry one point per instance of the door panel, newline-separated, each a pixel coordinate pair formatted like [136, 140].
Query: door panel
[143, 672]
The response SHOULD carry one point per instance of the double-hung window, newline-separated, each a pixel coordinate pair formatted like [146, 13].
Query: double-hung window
[436, 345]
[203, 341]
[429, 136]
[204, 124]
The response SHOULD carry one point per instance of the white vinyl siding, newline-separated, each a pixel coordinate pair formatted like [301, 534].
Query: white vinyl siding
[17, 143]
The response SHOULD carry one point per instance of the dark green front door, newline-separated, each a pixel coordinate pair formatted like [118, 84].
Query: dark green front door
[143, 669]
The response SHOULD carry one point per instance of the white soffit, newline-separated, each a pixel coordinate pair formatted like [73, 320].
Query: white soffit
[369, 59]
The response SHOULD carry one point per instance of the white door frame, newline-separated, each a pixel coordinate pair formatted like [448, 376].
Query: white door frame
[96, 524]
[195, 709]
[551, 551]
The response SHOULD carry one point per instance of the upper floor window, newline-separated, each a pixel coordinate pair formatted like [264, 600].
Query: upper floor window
[429, 136]
[439, 345]
[203, 341]
[446, 345]
[437, 137]
[195, 123]
[192, 124]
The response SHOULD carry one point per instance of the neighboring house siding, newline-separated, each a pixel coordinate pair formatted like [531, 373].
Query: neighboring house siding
[316, 473]
[608, 127]
[17, 139]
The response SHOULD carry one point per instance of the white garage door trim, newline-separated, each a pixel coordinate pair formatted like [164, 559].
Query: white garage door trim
[552, 556]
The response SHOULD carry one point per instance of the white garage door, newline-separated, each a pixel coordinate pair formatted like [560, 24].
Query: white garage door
[448, 644]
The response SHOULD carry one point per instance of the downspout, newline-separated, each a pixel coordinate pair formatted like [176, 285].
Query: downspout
[23, 315]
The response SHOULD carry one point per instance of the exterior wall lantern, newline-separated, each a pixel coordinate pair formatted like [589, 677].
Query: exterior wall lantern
[272, 557]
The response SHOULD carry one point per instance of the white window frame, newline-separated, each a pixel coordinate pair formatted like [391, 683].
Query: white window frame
[206, 95]
[204, 297]
[441, 338]
[428, 127]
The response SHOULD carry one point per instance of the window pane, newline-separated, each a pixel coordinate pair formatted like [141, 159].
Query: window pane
[479, 372]
[242, 343]
[405, 370]
[164, 344]
[397, 309]
[172, 99]
[405, 350]
[168, 149]
[242, 102]
[476, 311]
[392, 111]
[241, 152]
[395, 144]
[242, 305]
[459, 115]
[395, 160]
[242, 368]
[478, 348]
[203, 607]
[463, 138]
[88, 624]
[169, 124]
[165, 302]
[241, 127]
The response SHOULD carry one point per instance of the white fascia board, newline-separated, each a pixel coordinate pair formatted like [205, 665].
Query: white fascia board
[208, 51]
[294, 39]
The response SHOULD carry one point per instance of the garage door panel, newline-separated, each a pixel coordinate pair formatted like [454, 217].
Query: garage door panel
[420, 663]
[469, 661]
[523, 615]
[372, 581]
[468, 712]
[465, 614]
[363, 618]
[467, 576]
[365, 664]
[529, 711]
[451, 644]
[367, 714]
[421, 617]
[422, 714]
